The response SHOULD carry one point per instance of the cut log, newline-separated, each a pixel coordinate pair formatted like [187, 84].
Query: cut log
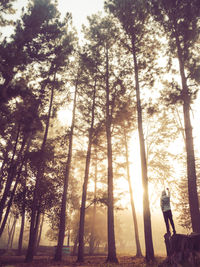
[182, 250]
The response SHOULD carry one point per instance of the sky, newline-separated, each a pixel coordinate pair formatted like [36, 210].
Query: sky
[80, 9]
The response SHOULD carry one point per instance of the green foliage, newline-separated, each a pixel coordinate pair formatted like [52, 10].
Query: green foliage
[180, 21]
[33, 60]
[40, 40]
[183, 205]
[129, 12]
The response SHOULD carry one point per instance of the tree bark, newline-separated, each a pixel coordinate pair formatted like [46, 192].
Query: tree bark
[13, 233]
[112, 257]
[91, 245]
[37, 225]
[61, 235]
[5, 161]
[137, 241]
[10, 233]
[182, 250]
[13, 191]
[33, 226]
[40, 232]
[9, 206]
[85, 184]
[20, 241]
[191, 168]
[146, 210]
[75, 246]
[10, 177]
[68, 238]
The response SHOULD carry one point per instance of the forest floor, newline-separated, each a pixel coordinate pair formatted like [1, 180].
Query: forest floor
[89, 261]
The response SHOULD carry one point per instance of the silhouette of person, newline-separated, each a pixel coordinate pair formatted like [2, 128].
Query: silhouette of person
[166, 209]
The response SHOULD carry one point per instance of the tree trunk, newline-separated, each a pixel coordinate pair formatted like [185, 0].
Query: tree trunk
[20, 242]
[13, 233]
[91, 245]
[61, 235]
[40, 232]
[68, 238]
[11, 198]
[23, 214]
[32, 233]
[137, 241]
[10, 177]
[146, 209]
[8, 208]
[84, 192]
[10, 233]
[75, 246]
[38, 219]
[112, 257]
[5, 161]
[191, 168]
[40, 171]
[182, 250]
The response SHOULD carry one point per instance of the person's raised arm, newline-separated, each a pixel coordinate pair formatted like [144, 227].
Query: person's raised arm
[168, 192]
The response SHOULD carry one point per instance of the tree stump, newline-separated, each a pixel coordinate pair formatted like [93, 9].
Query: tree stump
[182, 250]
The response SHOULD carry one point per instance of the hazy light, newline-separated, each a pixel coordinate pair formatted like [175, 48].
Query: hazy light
[65, 116]
[80, 9]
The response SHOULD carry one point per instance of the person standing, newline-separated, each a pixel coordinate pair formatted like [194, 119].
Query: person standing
[166, 209]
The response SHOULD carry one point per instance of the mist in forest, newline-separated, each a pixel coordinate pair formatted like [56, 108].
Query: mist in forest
[125, 239]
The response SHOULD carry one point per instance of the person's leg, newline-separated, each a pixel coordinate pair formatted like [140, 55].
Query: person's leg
[171, 221]
[166, 220]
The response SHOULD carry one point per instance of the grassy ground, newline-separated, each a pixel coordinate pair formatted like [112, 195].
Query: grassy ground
[92, 261]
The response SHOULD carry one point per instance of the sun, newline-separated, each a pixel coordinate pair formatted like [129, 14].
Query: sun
[65, 116]
[122, 186]
[136, 180]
